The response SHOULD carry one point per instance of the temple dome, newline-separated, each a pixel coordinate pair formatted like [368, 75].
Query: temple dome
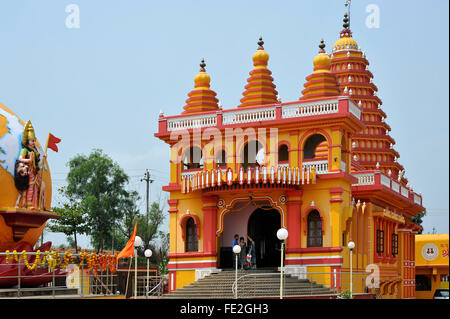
[321, 83]
[346, 42]
[260, 89]
[201, 98]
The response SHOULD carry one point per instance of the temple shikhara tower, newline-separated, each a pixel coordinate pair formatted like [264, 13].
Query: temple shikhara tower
[324, 167]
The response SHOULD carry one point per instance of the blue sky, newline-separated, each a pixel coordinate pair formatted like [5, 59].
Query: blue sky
[102, 85]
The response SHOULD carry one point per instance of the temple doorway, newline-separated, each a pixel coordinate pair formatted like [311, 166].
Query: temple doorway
[262, 226]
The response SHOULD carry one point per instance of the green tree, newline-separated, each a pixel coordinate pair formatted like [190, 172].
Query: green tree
[98, 183]
[149, 231]
[72, 219]
[418, 219]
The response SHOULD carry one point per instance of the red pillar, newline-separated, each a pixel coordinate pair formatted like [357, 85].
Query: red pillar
[209, 224]
[293, 220]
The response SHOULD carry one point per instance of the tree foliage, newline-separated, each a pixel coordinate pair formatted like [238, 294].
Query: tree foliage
[98, 183]
[72, 219]
[418, 219]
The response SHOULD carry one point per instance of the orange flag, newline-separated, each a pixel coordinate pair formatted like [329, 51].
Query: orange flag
[128, 251]
[52, 141]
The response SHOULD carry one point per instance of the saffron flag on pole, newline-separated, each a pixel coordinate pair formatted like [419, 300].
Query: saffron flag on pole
[52, 141]
[128, 251]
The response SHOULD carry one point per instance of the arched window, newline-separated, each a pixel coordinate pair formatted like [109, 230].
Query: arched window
[191, 235]
[283, 153]
[221, 160]
[314, 229]
[252, 154]
[309, 150]
[193, 158]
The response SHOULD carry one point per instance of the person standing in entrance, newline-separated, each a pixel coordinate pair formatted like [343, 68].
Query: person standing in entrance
[251, 251]
[235, 242]
[243, 254]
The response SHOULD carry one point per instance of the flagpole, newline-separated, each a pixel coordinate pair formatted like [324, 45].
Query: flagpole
[40, 172]
[128, 277]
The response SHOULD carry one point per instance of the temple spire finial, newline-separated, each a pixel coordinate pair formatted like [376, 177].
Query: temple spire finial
[260, 43]
[202, 65]
[347, 15]
[322, 46]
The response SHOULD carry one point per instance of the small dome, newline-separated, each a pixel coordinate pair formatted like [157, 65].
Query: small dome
[322, 61]
[345, 43]
[260, 56]
[201, 98]
[321, 83]
[202, 78]
[260, 89]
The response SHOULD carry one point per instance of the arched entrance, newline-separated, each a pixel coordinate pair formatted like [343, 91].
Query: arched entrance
[262, 226]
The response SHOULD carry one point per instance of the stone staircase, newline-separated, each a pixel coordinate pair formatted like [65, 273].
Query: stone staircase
[252, 284]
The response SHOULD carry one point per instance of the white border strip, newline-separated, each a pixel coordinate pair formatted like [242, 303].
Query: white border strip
[318, 257]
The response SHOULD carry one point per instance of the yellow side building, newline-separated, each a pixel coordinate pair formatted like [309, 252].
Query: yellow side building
[432, 264]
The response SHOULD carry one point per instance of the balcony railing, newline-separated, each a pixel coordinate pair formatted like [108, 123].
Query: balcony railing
[281, 175]
[321, 167]
[192, 122]
[379, 178]
[309, 109]
[255, 115]
[247, 116]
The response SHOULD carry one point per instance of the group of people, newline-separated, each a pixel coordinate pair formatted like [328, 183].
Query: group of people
[247, 256]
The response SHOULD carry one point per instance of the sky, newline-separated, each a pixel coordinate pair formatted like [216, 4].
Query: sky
[100, 81]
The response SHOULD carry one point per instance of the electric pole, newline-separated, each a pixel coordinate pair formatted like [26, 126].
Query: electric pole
[148, 181]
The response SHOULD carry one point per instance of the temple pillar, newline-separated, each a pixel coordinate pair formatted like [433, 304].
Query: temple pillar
[209, 224]
[335, 216]
[293, 224]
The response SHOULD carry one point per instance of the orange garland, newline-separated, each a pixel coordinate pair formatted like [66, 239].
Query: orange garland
[94, 262]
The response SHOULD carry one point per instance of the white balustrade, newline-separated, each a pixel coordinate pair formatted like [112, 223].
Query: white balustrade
[417, 199]
[395, 186]
[404, 191]
[369, 179]
[386, 181]
[248, 116]
[308, 109]
[190, 172]
[286, 175]
[366, 179]
[343, 166]
[320, 166]
[191, 122]
[352, 108]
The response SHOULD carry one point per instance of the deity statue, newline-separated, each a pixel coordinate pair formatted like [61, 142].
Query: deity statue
[29, 164]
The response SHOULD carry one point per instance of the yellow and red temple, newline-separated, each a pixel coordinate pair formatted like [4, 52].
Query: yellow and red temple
[323, 167]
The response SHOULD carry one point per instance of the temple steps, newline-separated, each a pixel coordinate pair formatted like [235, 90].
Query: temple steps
[261, 285]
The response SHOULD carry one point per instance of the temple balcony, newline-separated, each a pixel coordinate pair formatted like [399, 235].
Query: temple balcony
[257, 116]
[372, 183]
[282, 176]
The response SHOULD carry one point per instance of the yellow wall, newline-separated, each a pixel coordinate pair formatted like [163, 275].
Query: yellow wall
[185, 277]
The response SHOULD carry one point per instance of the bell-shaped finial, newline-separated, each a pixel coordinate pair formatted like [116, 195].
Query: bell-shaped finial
[346, 20]
[260, 43]
[202, 65]
[322, 46]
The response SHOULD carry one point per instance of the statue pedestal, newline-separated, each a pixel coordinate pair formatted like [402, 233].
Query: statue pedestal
[21, 219]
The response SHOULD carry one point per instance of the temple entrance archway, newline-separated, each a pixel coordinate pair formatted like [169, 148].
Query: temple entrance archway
[263, 225]
[257, 216]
